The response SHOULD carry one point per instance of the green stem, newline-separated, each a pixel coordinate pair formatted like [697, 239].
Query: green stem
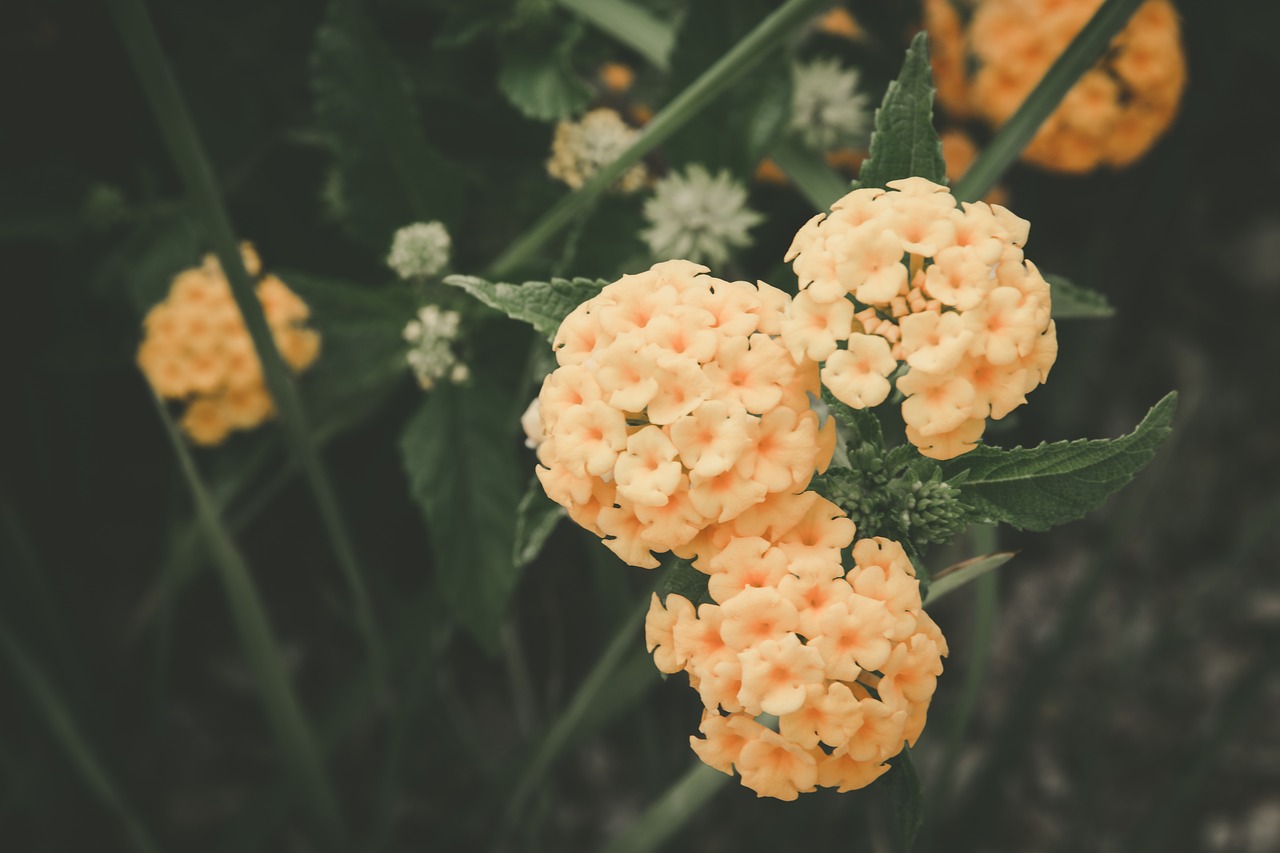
[74, 743]
[677, 806]
[185, 147]
[632, 25]
[566, 724]
[291, 727]
[1084, 50]
[817, 181]
[741, 58]
[986, 606]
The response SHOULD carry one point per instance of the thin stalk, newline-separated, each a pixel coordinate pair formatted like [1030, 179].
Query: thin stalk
[1089, 44]
[184, 144]
[76, 746]
[768, 36]
[632, 25]
[567, 722]
[986, 607]
[817, 181]
[292, 730]
[672, 811]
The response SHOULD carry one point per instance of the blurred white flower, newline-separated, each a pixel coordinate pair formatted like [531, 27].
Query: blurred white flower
[432, 357]
[698, 217]
[420, 250]
[582, 148]
[827, 110]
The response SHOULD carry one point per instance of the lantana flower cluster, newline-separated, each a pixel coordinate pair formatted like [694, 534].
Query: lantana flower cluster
[902, 282]
[1110, 117]
[676, 408]
[582, 148]
[847, 663]
[197, 348]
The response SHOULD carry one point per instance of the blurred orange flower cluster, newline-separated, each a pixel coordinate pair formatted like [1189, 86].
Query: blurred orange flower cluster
[197, 348]
[989, 55]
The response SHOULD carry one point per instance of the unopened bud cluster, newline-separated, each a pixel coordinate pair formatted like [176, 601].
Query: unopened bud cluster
[198, 349]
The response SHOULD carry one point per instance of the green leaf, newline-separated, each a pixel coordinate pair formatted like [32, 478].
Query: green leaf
[859, 425]
[536, 518]
[457, 453]
[537, 75]
[904, 143]
[683, 579]
[948, 580]
[1073, 302]
[906, 801]
[388, 174]
[541, 304]
[1040, 487]
[630, 23]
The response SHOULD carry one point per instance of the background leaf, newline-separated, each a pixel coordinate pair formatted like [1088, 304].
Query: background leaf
[904, 142]
[1073, 302]
[536, 519]
[457, 452]
[541, 304]
[537, 74]
[1040, 487]
[388, 174]
[906, 801]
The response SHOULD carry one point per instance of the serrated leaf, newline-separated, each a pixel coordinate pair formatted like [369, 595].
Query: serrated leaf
[541, 304]
[536, 519]
[457, 454]
[537, 76]
[389, 175]
[906, 801]
[904, 143]
[1073, 302]
[683, 579]
[1039, 487]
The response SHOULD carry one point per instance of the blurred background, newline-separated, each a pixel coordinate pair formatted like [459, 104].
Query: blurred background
[1127, 697]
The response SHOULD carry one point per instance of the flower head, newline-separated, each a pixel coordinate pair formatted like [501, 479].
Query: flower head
[697, 216]
[582, 148]
[196, 348]
[826, 108]
[420, 250]
[904, 281]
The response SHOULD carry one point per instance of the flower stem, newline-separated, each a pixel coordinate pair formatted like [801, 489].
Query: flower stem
[184, 145]
[630, 24]
[768, 35]
[677, 806]
[817, 181]
[69, 737]
[1089, 44]
[292, 730]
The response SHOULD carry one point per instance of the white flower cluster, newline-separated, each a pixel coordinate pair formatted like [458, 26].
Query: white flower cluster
[420, 250]
[432, 357]
[582, 148]
[697, 217]
[827, 110]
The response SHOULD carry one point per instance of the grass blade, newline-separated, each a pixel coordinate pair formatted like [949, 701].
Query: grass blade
[185, 147]
[78, 749]
[630, 24]
[817, 181]
[292, 730]
[1084, 50]
[769, 35]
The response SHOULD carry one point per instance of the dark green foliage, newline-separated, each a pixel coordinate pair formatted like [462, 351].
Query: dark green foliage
[906, 801]
[541, 304]
[537, 73]
[905, 143]
[1041, 487]
[537, 517]
[1073, 302]
[683, 579]
[387, 174]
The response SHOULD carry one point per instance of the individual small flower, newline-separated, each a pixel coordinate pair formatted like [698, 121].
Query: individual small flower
[582, 148]
[902, 283]
[196, 348]
[420, 250]
[698, 217]
[431, 356]
[827, 110]
[616, 77]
